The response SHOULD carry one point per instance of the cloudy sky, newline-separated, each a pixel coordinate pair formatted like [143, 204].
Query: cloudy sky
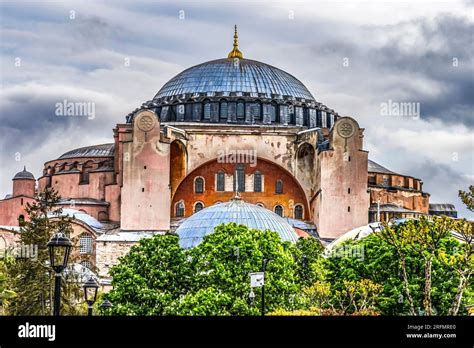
[353, 56]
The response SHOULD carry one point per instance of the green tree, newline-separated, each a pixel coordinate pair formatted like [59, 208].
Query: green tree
[32, 278]
[6, 294]
[381, 264]
[467, 197]
[309, 261]
[225, 258]
[153, 274]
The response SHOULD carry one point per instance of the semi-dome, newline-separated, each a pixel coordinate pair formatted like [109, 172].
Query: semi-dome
[24, 175]
[234, 75]
[192, 231]
[102, 150]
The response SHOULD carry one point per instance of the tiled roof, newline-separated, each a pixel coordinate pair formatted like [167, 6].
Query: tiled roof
[102, 150]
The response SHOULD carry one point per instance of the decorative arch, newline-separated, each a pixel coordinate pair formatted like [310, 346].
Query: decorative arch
[298, 212]
[271, 171]
[178, 163]
[198, 206]
[305, 157]
[199, 185]
[279, 210]
[179, 209]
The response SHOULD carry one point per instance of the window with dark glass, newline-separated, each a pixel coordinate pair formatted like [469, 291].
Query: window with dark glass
[207, 111]
[279, 186]
[306, 117]
[231, 112]
[164, 113]
[299, 212]
[198, 207]
[199, 185]
[197, 111]
[188, 112]
[252, 112]
[257, 182]
[269, 113]
[239, 178]
[220, 181]
[214, 112]
[240, 110]
[291, 115]
[284, 114]
[279, 210]
[319, 118]
[179, 209]
[224, 110]
[299, 116]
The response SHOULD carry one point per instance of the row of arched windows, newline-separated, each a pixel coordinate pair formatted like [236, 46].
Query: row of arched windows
[253, 111]
[239, 182]
[298, 212]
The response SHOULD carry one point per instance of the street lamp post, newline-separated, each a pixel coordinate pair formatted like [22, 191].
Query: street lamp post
[59, 248]
[106, 305]
[90, 293]
[264, 267]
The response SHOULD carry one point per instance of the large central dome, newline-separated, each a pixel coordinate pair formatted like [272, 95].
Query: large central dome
[234, 75]
[235, 90]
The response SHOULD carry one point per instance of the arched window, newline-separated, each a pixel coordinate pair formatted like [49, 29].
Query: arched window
[207, 110]
[279, 187]
[21, 220]
[85, 244]
[279, 210]
[198, 207]
[260, 205]
[240, 110]
[103, 216]
[223, 114]
[257, 182]
[179, 209]
[220, 185]
[299, 212]
[85, 172]
[239, 178]
[199, 185]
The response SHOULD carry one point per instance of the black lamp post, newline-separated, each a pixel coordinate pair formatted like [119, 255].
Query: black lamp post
[264, 267]
[90, 293]
[59, 248]
[106, 305]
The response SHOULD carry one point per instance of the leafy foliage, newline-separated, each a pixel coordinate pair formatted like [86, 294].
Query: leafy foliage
[31, 277]
[153, 274]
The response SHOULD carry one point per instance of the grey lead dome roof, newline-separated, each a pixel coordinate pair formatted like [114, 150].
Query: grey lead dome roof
[226, 76]
[24, 174]
[192, 231]
[103, 150]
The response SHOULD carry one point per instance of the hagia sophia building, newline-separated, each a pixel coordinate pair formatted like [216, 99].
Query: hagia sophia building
[231, 139]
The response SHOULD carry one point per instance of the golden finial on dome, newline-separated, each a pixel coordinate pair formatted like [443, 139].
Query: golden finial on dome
[235, 53]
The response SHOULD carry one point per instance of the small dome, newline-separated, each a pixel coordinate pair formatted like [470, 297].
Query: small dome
[24, 174]
[192, 230]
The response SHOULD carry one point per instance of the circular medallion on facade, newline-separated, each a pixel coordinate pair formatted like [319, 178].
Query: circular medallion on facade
[146, 123]
[345, 129]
